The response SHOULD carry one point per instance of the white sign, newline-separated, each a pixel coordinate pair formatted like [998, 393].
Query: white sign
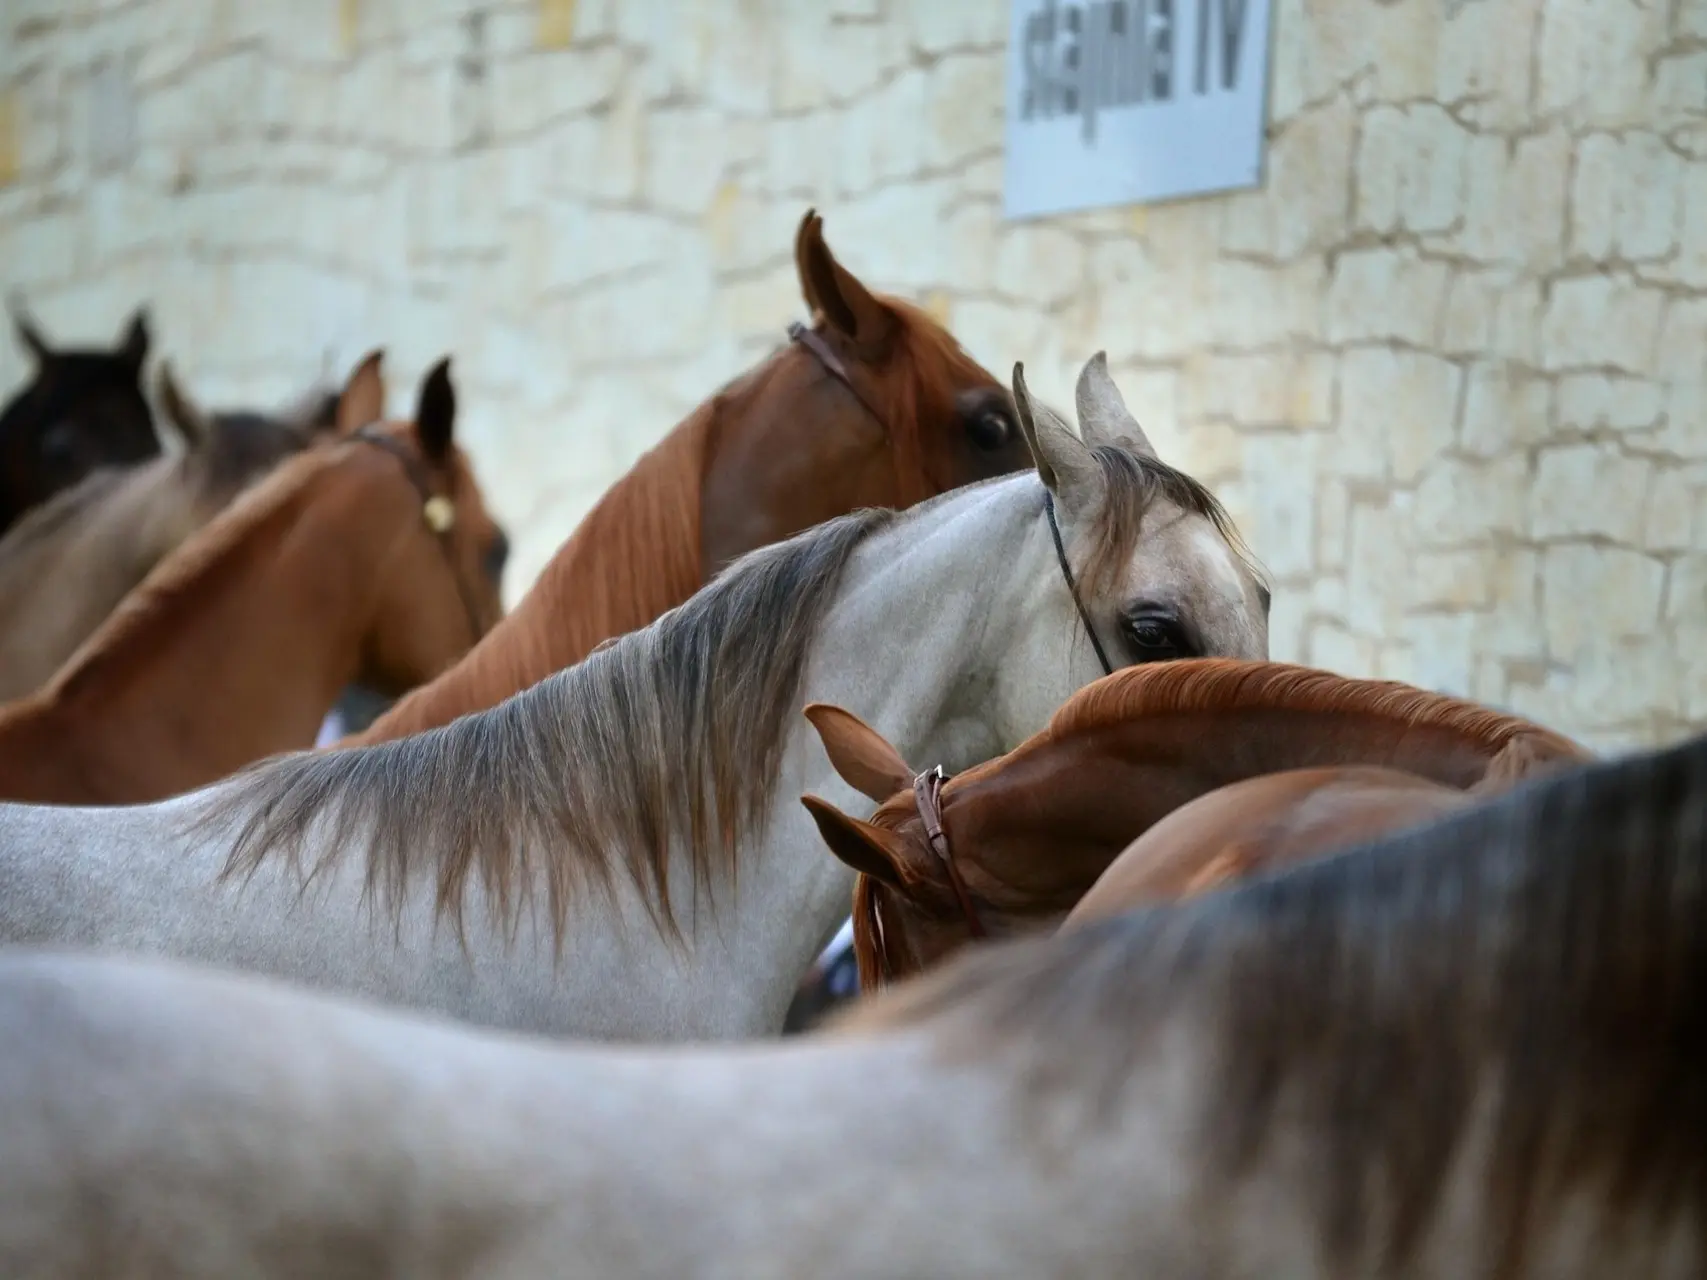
[1127, 101]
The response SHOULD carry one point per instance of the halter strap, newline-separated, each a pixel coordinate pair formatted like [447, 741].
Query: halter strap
[833, 365]
[1072, 585]
[437, 513]
[927, 791]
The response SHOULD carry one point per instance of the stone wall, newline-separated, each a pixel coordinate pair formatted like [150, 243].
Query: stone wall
[1446, 366]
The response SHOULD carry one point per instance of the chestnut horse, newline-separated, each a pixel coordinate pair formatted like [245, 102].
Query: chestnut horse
[366, 557]
[1478, 1049]
[65, 566]
[82, 409]
[1262, 824]
[1029, 833]
[876, 405]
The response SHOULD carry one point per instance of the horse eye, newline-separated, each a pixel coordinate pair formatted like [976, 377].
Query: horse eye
[1155, 639]
[990, 430]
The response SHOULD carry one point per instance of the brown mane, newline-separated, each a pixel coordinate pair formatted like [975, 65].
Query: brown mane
[637, 553]
[1543, 952]
[870, 941]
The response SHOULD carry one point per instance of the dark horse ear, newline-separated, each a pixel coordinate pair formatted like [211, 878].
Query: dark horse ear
[28, 334]
[181, 411]
[435, 415]
[833, 291]
[133, 347]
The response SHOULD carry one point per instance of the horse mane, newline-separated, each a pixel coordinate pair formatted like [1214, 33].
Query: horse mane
[675, 729]
[200, 563]
[1550, 939]
[635, 555]
[1210, 685]
[870, 941]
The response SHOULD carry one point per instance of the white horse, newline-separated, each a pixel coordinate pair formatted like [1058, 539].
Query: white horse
[619, 850]
[1478, 1048]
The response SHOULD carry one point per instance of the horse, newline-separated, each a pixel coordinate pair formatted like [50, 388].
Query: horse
[1027, 835]
[615, 852]
[875, 405]
[83, 408]
[69, 561]
[367, 557]
[1262, 824]
[1475, 1049]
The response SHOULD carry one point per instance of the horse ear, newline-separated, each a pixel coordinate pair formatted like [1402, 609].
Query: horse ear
[871, 850]
[834, 292]
[363, 398]
[1064, 462]
[435, 413]
[181, 411]
[27, 332]
[1103, 415]
[861, 755]
[133, 347]
[801, 238]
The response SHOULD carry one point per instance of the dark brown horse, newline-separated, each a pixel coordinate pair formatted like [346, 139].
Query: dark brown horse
[83, 408]
[876, 405]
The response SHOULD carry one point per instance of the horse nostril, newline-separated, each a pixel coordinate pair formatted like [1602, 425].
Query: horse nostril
[497, 555]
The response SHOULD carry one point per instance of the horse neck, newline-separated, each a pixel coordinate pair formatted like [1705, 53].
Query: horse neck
[297, 578]
[924, 589]
[633, 558]
[1085, 796]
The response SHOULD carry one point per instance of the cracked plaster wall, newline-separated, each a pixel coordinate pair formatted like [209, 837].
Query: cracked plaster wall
[1446, 366]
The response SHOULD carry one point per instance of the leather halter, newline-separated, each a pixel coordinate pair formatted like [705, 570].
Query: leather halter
[1072, 584]
[833, 366]
[438, 513]
[927, 791]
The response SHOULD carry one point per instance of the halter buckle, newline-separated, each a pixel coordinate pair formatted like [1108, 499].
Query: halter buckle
[439, 512]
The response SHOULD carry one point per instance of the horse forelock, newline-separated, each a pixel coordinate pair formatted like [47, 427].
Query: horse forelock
[924, 374]
[672, 737]
[1529, 976]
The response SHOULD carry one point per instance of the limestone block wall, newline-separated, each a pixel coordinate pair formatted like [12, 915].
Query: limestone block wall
[1445, 366]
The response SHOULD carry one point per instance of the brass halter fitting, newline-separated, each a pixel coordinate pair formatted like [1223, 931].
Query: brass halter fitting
[439, 513]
